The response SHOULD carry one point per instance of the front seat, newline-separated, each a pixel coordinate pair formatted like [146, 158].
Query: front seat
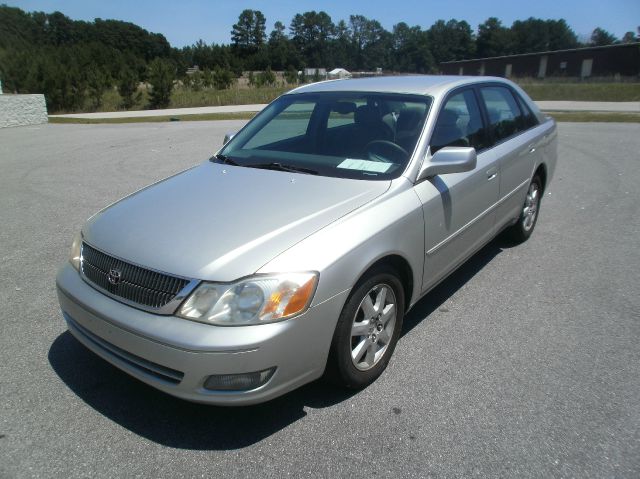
[368, 127]
[409, 127]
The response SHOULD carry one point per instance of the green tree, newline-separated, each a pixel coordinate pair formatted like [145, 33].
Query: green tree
[601, 37]
[161, 76]
[411, 49]
[222, 78]
[452, 40]
[291, 75]
[207, 78]
[258, 33]
[281, 49]
[494, 39]
[370, 42]
[561, 36]
[341, 46]
[128, 88]
[97, 83]
[311, 32]
[537, 35]
[197, 81]
[266, 78]
[249, 32]
[278, 33]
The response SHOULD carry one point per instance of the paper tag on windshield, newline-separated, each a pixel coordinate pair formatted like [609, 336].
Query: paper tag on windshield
[365, 165]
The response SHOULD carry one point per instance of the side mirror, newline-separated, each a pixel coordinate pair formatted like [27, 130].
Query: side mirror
[228, 136]
[450, 159]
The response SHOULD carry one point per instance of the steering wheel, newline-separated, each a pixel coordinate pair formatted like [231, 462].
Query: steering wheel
[385, 151]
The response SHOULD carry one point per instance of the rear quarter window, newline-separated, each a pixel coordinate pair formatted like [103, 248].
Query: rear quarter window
[529, 120]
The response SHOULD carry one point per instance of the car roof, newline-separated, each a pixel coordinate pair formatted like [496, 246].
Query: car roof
[410, 84]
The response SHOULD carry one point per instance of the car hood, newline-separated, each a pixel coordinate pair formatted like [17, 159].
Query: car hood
[218, 222]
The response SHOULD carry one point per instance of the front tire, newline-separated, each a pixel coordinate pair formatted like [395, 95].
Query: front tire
[367, 330]
[523, 228]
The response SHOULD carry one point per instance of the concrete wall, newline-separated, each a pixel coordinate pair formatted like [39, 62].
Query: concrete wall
[19, 110]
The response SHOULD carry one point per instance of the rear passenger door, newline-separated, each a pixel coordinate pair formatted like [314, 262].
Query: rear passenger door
[516, 145]
[458, 208]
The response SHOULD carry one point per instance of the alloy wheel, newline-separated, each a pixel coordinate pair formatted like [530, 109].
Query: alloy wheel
[373, 327]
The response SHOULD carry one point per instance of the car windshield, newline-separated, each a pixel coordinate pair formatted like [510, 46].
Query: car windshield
[359, 135]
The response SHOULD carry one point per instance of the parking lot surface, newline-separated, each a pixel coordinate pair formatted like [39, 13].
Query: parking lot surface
[524, 363]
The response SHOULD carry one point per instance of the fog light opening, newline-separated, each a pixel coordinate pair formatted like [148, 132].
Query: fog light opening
[238, 382]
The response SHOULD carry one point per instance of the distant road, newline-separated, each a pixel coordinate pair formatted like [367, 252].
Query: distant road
[602, 106]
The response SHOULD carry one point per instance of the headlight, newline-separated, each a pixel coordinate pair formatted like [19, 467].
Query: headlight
[76, 251]
[256, 300]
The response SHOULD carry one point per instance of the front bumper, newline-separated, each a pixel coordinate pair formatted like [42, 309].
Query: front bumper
[176, 355]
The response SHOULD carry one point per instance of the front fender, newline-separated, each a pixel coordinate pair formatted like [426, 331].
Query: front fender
[393, 224]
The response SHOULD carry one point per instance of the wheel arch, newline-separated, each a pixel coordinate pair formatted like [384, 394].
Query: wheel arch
[401, 266]
[541, 171]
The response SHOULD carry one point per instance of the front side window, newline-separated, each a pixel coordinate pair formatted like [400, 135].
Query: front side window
[342, 134]
[459, 124]
[505, 117]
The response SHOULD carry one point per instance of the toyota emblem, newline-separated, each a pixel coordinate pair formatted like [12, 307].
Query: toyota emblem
[114, 277]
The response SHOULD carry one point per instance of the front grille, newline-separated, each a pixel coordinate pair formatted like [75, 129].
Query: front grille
[135, 284]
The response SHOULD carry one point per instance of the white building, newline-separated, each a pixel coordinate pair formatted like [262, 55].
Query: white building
[311, 72]
[339, 73]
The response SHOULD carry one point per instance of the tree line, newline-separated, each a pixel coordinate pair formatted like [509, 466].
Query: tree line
[75, 62]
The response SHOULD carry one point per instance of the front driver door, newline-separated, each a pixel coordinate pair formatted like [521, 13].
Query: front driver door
[458, 208]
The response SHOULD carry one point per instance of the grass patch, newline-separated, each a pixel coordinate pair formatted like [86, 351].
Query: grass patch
[242, 115]
[186, 98]
[582, 91]
[589, 117]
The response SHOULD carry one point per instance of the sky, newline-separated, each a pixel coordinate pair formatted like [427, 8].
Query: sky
[183, 22]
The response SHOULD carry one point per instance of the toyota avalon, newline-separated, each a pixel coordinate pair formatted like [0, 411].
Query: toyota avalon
[296, 250]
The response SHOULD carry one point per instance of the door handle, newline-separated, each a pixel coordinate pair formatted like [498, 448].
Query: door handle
[532, 149]
[492, 173]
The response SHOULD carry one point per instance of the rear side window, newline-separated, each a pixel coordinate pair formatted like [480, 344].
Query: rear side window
[459, 124]
[505, 117]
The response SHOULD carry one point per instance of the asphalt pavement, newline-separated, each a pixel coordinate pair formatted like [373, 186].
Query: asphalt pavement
[524, 363]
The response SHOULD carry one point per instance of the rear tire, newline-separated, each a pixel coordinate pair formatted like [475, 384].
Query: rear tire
[368, 330]
[526, 223]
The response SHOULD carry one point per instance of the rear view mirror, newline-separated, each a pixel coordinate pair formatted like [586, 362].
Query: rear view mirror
[450, 159]
[227, 137]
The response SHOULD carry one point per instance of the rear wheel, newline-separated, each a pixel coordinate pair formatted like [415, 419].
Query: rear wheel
[528, 218]
[367, 330]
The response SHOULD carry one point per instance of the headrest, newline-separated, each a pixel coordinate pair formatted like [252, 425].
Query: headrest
[494, 115]
[343, 107]
[366, 115]
[409, 119]
[448, 118]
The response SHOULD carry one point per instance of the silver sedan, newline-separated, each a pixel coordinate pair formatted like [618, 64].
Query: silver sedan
[297, 249]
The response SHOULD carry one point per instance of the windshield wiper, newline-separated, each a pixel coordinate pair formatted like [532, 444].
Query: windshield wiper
[281, 167]
[226, 159]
